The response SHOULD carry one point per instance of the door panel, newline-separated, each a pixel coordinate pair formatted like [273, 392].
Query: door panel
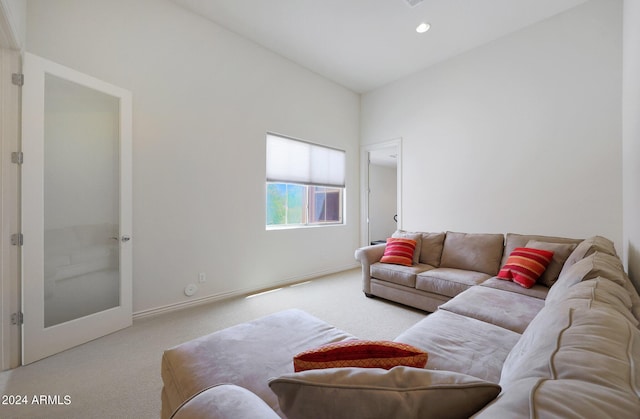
[76, 193]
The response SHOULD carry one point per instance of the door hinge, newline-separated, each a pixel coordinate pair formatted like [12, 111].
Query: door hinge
[17, 239]
[17, 157]
[17, 79]
[17, 318]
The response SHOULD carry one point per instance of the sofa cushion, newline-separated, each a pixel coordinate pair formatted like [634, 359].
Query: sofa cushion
[398, 274]
[448, 281]
[572, 363]
[417, 237]
[501, 308]
[461, 344]
[593, 266]
[544, 398]
[360, 353]
[473, 252]
[536, 345]
[431, 250]
[598, 292]
[243, 355]
[412, 297]
[561, 252]
[400, 392]
[635, 299]
[399, 251]
[513, 240]
[225, 401]
[588, 247]
[537, 291]
[525, 265]
[576, 343]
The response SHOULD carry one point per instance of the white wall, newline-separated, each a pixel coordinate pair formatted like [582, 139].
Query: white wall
[13, 23]
[631, 138]
[203, 100]
[520, 135]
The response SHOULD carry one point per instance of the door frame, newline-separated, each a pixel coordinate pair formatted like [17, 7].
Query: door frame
[364, 184]
[63, 336]
[10, 334]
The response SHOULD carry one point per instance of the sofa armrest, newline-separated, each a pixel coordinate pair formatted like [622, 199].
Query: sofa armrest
[367, 256]
[225, 401]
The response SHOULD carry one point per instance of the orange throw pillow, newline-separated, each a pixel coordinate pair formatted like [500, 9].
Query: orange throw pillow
[399, 251]
[362, 354]
[525, 265]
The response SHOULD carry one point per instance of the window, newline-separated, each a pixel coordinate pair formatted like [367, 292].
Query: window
[292, 204]
[305, 183]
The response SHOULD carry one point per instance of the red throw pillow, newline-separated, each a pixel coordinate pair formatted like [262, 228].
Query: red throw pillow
[525, 265]
[360, 353]
[399, 251]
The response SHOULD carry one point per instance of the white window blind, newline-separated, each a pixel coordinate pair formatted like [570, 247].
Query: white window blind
[294, 161]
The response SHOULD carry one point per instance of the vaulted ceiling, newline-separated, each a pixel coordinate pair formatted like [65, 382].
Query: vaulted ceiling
[365, 44]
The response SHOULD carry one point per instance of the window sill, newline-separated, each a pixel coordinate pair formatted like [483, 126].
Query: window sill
[301, 226]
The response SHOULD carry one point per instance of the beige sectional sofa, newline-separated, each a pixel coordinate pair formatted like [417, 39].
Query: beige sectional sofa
[449, 263]
[496, 349]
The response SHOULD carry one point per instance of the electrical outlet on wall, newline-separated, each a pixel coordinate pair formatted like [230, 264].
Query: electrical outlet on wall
[202, 277]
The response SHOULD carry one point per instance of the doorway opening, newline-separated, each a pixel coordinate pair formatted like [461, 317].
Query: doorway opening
[382, 189]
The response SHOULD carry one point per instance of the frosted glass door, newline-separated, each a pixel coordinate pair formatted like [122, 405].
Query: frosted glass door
[81, 216]
[76, 208]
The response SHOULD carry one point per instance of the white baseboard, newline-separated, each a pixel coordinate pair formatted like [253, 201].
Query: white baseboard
[237, 293]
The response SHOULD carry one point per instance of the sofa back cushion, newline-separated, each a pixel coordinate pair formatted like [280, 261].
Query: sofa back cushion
[588, 247]
[572, 362]
[473, 252]
[431, 250]
[596, 265]
[599, 292]
[635, 299]
[594, 344]
[529, 357]
[543, 398]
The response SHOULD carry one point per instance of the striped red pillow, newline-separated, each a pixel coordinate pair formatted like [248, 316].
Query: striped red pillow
[361, 354]
[399, 251]
[525, 265]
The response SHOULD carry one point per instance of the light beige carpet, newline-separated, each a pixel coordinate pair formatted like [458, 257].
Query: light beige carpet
[118, 376]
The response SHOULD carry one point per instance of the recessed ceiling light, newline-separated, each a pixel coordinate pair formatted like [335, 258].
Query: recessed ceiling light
[423, 27]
